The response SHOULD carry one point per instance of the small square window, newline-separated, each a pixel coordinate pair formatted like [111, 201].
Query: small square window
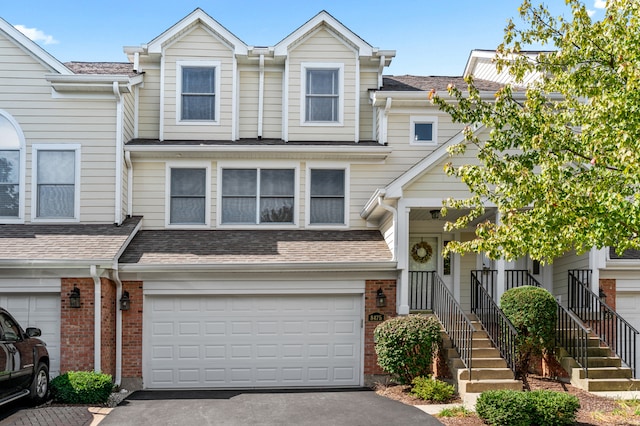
[424, 130]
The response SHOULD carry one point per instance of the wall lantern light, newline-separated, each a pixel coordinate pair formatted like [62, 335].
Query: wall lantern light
[125, 302]
[381, 299]
[435, 214]
[74, 298]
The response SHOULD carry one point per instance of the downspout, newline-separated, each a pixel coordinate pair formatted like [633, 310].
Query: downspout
[394, 214]
[261, 97]
[385, 121]
[116, 278]
[119, 125]
[129, 164]
[97, 319]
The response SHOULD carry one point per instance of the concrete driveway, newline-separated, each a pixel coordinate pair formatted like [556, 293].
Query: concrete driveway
[304, 407]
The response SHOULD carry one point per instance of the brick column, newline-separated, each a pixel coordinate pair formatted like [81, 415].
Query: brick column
[371, 368]
[608, 286]
[132, 333]
[77, 326]
[108, 326]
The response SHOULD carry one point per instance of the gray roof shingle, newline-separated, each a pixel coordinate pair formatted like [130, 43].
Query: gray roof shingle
[175, 247]
[112, 68]
[399, 83]
[62, 242]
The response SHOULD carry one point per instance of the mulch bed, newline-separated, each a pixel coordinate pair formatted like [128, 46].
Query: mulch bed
[594, 410]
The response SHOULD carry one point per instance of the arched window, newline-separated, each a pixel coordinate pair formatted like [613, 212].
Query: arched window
[11, 170]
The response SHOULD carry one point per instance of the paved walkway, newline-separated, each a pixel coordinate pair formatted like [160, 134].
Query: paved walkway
[56, 416]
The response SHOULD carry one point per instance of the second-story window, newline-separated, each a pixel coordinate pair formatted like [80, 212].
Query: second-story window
[198, 93]
[327, 197]
[188, 204]
[11, 171]
[56, 182]
[258, 196]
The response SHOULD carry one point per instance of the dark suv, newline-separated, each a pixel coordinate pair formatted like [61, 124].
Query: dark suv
[24, 362]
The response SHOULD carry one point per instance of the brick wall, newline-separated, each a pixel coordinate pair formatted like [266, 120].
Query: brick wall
[77, 326]
[132, 332]
[371, 289]
[608, 286]
[108, 326]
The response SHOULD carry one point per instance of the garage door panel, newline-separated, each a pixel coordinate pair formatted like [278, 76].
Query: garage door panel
[247, 341]
[627, 306]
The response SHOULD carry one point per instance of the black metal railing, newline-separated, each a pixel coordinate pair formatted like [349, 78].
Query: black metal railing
[488, 278]
[611, 328]
[500, 330]
[421, 290]
[519, 278]
[572, 336]
[454, 321]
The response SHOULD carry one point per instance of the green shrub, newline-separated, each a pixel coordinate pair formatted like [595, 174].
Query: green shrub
[504, 408]
[515, 408]
[406, 345]
[533, 311]
[430, 389]
[81, 387]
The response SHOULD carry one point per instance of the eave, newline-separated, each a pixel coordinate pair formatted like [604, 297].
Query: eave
[92, 83]
[261, 267]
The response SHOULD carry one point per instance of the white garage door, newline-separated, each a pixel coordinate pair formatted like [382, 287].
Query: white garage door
[627, 306]
[42, 311]
[252, 341]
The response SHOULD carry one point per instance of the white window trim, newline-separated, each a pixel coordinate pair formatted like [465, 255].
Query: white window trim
[304, 66]
[259, 165]
[22, 175]
[204, 64]
[426, 119]
[34, 181]
[307, 195]
[167, 198]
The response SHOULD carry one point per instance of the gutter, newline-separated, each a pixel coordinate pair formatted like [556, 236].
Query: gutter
[257, 267]
[116, 278]
[119, 144]
[129, 164]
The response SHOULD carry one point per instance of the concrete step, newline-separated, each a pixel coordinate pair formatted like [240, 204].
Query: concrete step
[480, 363]
[475, 386]
[481, 343]
[607, 385]
[485, 374]
[602, 373]
[475, 353]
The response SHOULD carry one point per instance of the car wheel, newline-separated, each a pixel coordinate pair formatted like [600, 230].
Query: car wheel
[40, 384]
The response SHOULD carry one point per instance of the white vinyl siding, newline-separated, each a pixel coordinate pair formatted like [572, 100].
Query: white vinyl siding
[561, 268]
[198, 46]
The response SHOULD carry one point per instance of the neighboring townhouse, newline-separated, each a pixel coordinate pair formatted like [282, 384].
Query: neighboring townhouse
[225, 215]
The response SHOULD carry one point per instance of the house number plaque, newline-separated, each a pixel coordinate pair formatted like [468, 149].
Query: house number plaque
[376, 316]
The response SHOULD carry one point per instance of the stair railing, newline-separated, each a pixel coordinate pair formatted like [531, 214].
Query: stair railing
[572, 336]
[611, 328]
[453, 319]
[500, 330]
[519, 278]
[421, 290]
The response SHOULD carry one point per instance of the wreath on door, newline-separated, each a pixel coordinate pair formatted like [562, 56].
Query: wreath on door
[421, 252]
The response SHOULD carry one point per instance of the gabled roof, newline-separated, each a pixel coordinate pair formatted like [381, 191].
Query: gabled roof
[324, 18]
[258, 248]
[33, 48]
[64, 244]
[412, 83]
[197, 16]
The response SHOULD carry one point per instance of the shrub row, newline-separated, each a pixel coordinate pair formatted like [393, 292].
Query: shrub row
[540, 407]
[81, 387]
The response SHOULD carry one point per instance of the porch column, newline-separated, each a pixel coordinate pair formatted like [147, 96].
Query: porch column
[500, 267]
[403, 259]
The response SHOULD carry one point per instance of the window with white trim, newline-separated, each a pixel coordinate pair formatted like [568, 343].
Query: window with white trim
[198, 83]
[424, 130]
[323, 93]
[258, 196]
[56, 182]
[12, 170]
[327, 197]
[188, 196]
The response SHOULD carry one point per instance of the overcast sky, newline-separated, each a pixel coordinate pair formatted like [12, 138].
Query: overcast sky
[431, 37]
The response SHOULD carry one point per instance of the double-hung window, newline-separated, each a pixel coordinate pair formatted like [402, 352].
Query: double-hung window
[11, 171]
[258, 196]
[327, 197]
[198, 84]
[56, 182]
[188, 195]
[323, 93]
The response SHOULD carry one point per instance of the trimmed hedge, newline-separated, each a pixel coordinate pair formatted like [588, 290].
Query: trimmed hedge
[406, 345]
[430, 389]
[81, 387]
[516, 408]
[533, 312]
